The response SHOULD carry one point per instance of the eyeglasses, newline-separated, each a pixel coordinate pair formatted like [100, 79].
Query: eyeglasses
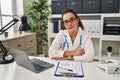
[72, 19]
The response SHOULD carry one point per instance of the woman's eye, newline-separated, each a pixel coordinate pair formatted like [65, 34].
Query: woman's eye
[66, 21]
[72, 19]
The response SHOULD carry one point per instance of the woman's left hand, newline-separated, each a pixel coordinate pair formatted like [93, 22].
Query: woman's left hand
[60, 58]
[78, 52]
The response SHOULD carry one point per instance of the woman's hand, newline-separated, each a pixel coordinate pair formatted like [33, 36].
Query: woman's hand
[60, 58]
[64, 58]
[77, 52]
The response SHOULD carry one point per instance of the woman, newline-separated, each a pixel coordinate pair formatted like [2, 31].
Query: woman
[72, 43]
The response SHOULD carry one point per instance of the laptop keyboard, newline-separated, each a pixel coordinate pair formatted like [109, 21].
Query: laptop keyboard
[38, 67]
[37, 61]
[41, 65]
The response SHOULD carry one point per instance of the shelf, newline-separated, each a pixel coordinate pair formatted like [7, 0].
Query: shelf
[110, 37]
[100, 41]
[53, 35]
[56, 16]
[60, 16]
[114, 54]
[15, 35]
[102, 14]
[106, 57]
[80, 15]
[95, 36]
[111, 15]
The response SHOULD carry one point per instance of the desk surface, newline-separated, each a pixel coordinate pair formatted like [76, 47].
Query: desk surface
[14, 72]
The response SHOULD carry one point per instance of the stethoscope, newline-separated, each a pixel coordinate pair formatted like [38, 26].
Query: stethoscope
[66, 44]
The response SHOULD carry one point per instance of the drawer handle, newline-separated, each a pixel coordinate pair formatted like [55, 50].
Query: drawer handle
[73, 3]
[19, 45]
[90, 2]
[31, 41]
[58, 4]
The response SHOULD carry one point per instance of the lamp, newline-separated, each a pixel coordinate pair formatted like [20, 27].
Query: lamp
[24, 25]
[6, 57]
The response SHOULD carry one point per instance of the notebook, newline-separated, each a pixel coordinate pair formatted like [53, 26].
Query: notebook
[23, 60]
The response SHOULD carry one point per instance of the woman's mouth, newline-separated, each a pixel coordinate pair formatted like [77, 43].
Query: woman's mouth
[71, 27]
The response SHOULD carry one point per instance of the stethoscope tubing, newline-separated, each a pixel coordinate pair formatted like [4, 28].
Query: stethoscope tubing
[67, 44]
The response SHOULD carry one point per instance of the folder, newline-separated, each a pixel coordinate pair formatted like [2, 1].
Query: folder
[69, 69]
[92, 27]
[56, 27]
[98, 27]
[87, 25]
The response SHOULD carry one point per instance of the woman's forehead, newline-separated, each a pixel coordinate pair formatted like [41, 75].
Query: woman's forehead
[67, 16]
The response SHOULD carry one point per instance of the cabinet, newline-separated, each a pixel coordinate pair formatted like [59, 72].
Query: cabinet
[58, 6]
[76, 5]
[110, 6]
[25, 42]
[91, 6]
[94, 24]
[86, 6]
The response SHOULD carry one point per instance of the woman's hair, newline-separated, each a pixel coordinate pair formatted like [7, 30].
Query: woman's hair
[75, 14]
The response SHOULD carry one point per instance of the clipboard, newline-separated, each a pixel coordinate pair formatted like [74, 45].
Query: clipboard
[69, 69]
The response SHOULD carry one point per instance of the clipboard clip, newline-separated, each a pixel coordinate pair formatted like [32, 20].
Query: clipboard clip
[68, 74]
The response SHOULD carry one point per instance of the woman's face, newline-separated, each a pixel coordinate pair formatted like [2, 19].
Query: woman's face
[70, 22]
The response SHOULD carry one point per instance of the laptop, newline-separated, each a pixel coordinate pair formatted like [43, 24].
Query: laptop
[34, 65]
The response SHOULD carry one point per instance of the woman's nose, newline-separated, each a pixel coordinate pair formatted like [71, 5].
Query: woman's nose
[69, 23]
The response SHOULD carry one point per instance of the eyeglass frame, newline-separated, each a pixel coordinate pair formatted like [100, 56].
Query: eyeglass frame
[71, 21]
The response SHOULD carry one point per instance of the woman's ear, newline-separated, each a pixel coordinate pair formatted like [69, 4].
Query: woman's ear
[63, 27]
[78, 19]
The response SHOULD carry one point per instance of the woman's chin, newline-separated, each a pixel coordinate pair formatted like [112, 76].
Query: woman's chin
[71, 30]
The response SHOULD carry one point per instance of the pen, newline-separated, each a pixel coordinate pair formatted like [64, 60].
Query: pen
[66, 69]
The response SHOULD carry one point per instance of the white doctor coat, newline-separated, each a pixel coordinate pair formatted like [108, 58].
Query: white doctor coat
[56, 49]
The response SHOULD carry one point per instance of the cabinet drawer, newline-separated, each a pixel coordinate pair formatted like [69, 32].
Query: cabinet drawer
[58, 6]
[30, 41]
[31, 51]
[110, 6]
[76, 5]
[18, 43]
[91, 6]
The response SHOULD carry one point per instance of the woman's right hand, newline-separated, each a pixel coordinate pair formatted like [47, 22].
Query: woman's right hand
[78, 52]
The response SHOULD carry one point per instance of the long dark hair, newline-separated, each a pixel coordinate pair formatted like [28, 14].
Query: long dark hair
[75, 14]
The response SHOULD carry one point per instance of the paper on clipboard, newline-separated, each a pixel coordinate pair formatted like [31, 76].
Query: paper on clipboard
[69, 69]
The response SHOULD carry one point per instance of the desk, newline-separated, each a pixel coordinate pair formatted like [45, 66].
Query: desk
[14, 72]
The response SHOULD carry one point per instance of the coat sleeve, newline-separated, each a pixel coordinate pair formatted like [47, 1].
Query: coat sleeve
[55, 48]
[89, 50]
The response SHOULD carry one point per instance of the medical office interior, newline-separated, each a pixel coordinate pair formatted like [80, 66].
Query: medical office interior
[101, 19]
